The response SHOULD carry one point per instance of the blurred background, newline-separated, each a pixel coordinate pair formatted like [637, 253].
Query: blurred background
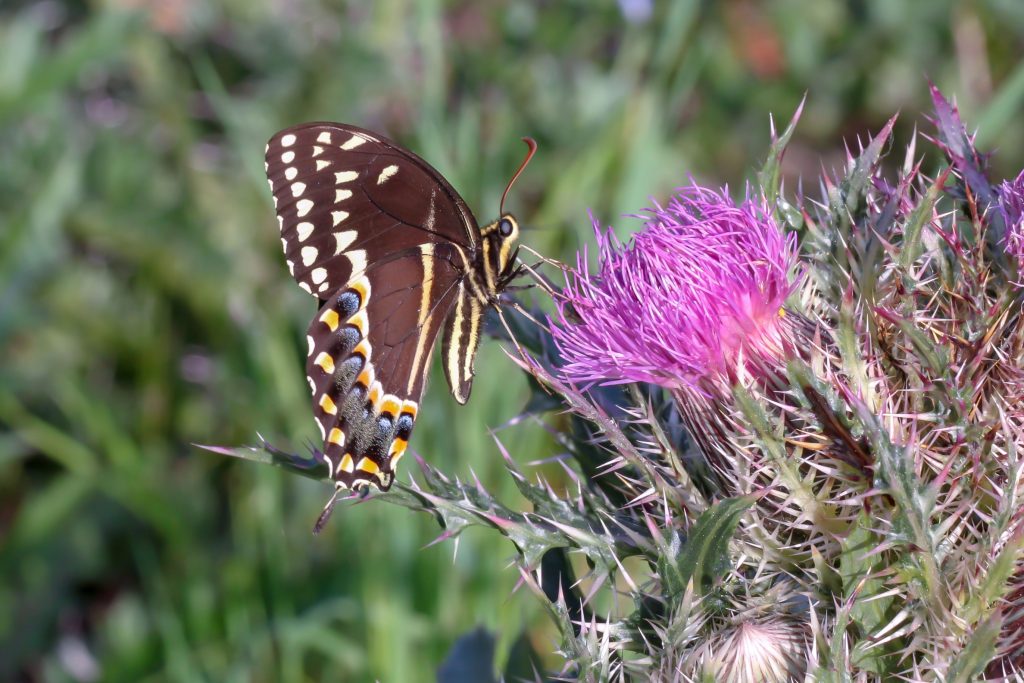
[144, 304]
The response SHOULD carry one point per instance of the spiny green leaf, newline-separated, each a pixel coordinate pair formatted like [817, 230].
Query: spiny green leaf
[769, 177]
[920, 217]
[705, 555]
[974, 657]
[312, 467]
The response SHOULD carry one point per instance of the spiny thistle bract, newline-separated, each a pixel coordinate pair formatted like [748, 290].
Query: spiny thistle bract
[797, 426]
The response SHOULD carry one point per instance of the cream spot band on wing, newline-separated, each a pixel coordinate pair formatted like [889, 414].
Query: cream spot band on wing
[358, 259]
[345, 240]
[455, 344]
[304, 230]
[309, 255]
[321, 164]
[387, 173]
[475, 314]
[288, 140]
[302, 207]
[324, 137]
[353, 142]
[342, 195]
[427, 259]
[345, 177]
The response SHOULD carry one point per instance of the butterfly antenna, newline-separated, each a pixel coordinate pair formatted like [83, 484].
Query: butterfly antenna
[545, 259]
[532, 144]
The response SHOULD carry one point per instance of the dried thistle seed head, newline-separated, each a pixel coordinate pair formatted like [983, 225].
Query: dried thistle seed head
[696, 294]
[772, 650]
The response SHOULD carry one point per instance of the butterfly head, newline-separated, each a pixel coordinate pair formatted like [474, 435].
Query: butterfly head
[498, 245]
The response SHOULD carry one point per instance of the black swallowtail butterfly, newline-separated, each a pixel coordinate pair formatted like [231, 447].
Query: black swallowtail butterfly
[393, 255]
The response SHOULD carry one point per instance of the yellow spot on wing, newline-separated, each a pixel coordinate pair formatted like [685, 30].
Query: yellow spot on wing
[360, 321]
[346, 464]
[366, 376]
[363, 348]
[410, 407]
[398, 447]
[368, 466]
[337, 437]
[362, 287]
[325, 362]
[328, 405]
[374, 395]
[391, 405]
[330, 318]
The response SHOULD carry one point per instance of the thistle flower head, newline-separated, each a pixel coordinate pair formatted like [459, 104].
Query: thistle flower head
[1011, 204]
[698, 289]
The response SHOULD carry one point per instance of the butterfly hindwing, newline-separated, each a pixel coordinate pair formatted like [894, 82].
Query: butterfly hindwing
[369, 352]
[346, 197]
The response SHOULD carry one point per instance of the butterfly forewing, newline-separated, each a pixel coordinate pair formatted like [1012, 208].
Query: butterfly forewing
[346, 197]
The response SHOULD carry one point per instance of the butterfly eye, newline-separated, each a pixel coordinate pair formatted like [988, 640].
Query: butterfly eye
[505, 227]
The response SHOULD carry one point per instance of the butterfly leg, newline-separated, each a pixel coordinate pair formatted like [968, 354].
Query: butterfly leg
[321, 521]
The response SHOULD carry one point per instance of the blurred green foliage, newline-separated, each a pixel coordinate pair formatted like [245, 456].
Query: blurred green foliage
[145, 306]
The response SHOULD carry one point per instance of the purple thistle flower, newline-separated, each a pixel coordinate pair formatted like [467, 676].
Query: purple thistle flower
[697, 291]
[1011, 203]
